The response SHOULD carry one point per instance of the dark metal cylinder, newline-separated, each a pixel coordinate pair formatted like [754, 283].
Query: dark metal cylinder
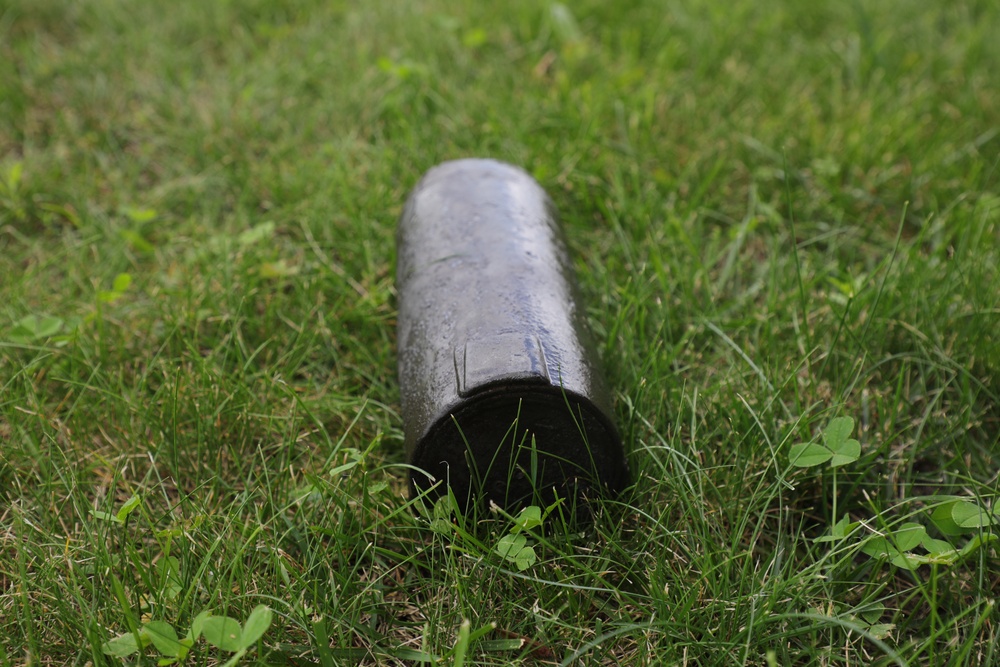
[502, 399]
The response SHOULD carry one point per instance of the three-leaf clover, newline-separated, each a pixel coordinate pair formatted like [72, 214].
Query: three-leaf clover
[840, 530]
[514, 546]
[515, 549]
[838, 447]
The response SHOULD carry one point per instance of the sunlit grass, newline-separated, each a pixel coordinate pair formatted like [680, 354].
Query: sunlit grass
[781, 215]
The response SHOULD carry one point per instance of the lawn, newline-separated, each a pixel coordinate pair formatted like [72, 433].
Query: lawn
[785, 219]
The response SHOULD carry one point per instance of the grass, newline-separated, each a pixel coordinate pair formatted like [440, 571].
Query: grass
[782, 213]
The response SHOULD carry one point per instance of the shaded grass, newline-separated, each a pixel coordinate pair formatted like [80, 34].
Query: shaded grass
[782, 214]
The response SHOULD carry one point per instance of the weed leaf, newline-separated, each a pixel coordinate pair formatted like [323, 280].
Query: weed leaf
[261, 232]
[137, 241]
[121, 646]
[873, 614]
[881, 630]
[976, 543]
[839, 530]
[223, 632]
[878, 546]
[164, 638]
[474, 38]
[139, 215]
[969, 515]
[278, 269]
[121, 282]
[13, 177]
[809, 455]
[168, 574]
[525, 558]
[257, 623]
[896, 546]
[441, 523]
[510, 545]
[564, 24]
[942, 518]
[127, 508]
[35, 327]
[908, 536]
[530, 517]
[848, 452]
[837, 432]
[118, 287]
[198, 625]
[936, 547]
[906, 561]
[514, 548]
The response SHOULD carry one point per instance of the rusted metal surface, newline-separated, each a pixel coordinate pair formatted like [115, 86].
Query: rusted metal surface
[502, 397]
